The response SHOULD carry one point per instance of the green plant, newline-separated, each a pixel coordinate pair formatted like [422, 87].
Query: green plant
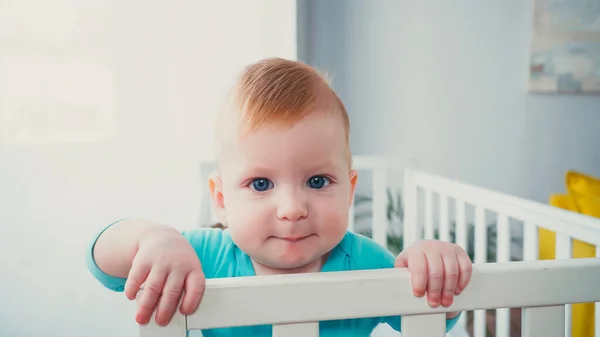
[394, 206]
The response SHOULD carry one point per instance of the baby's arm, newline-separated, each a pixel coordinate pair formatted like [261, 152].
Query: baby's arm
[116, 247]
[156, 256]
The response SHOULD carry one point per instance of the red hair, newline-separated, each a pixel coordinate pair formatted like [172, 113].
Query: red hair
[282, 92]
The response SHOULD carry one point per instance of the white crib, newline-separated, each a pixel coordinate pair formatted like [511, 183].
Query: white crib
[431, 203]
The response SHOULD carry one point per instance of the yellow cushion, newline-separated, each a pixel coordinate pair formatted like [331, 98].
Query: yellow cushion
[585, 192]
[583, 196]
[581, 183]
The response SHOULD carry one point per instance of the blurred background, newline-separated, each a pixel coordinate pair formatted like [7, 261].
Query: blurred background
[106, 111]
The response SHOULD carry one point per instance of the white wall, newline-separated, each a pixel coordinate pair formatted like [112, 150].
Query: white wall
[442, 85]
[119, 136]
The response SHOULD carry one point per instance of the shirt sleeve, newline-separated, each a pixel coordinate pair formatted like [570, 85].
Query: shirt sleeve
[109, 281]
[367, 254]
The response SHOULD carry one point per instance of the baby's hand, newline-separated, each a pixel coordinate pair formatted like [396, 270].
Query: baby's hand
[443, 269]
[166, 265]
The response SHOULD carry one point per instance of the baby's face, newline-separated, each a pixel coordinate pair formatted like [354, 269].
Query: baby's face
[285, 192]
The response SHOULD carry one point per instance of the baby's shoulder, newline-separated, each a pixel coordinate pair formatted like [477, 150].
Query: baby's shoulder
[365, 253]
[214, 247]
[207, 238]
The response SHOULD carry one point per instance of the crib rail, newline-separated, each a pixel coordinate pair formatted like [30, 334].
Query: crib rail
[577, 226]
[422, 219]
[294, 304]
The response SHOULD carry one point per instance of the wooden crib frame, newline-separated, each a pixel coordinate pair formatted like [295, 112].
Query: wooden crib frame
[294, 304]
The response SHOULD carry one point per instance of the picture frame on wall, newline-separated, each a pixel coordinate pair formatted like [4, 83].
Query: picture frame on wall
[565, 47]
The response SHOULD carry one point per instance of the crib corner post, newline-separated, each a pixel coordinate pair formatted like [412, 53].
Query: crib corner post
[410, 226]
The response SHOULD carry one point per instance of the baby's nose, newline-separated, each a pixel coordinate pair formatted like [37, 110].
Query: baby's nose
[292, 208]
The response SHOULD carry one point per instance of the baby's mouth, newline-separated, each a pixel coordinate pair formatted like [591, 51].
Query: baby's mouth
[294, 238]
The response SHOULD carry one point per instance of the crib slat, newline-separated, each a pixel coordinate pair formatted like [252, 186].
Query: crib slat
[351, 218]
[503, 242]
[563, 246]
[503, 255]
[530, 242]
[597, 319]
[177, 327]
[563, 251]
[428, 216]
[480, 257]
[461, 240]
[479, 323]
[543, 321]
[432, 325]
[411, 228]
[310, 329]
[461, 224]
[597, 307]
[379, 207]
[443, 214]
[480, 236]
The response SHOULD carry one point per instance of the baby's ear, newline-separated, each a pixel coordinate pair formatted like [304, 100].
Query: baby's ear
[353, 177]
[215, 185]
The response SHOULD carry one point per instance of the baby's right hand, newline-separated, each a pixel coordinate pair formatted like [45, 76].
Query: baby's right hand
[166, 264]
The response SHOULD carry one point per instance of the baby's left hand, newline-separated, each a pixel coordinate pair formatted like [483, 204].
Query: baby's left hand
[442, 269]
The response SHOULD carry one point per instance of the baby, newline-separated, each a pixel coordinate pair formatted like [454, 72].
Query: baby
[283, 190]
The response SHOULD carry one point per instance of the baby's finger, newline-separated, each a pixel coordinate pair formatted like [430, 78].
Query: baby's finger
[137, 276]
[401, 261]
[194, 288]
[450, 278]
[169, 298]
[466, 270]
[152, 291]
[417, 266]
[435, 280]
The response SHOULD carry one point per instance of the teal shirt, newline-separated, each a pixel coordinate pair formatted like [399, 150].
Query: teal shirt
[221, 258]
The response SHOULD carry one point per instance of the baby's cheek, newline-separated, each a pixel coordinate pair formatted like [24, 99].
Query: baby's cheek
[239, 205]
[245, 227]
[240, 236]
[335, 217]
[249, 213]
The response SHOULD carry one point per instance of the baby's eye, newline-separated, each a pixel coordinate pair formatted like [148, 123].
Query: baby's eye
[318, 182]
[261, 184]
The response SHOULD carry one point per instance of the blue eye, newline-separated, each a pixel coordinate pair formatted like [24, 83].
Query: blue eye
[261, 184]
[318, 182]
